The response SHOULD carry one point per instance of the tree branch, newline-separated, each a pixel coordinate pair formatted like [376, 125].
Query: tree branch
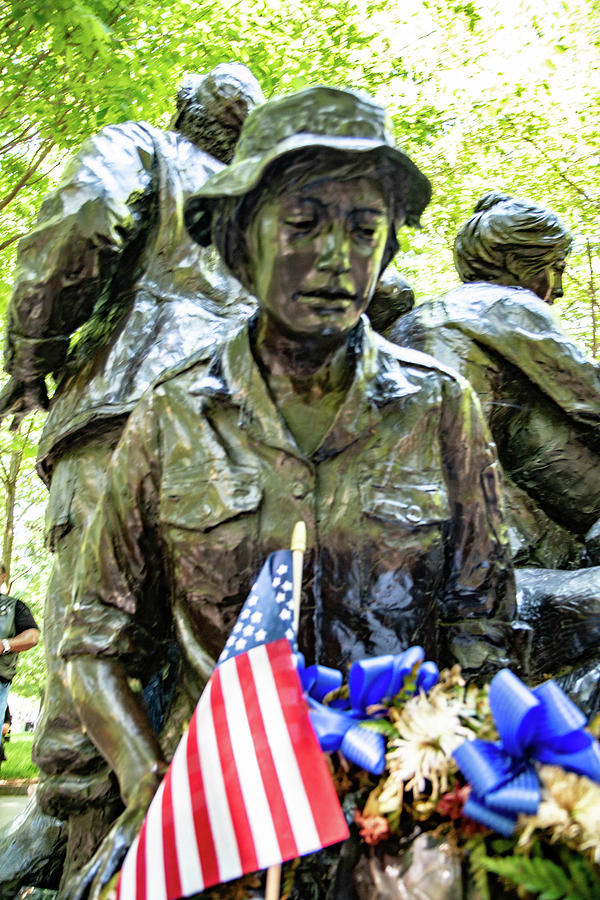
[577, 188]
[40, 154]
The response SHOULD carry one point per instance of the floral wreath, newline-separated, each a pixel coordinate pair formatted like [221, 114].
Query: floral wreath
[511, 776]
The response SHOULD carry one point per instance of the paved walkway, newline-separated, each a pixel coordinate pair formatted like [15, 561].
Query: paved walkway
[10, 807]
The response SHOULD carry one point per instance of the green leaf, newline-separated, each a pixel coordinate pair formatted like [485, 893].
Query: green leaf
[381, 726]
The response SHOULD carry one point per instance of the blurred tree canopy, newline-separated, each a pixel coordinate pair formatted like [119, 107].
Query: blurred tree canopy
[483, 94]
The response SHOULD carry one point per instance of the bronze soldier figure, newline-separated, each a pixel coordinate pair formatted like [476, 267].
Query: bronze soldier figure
[110, 291]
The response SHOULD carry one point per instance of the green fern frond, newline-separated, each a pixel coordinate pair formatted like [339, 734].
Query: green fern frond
[585, 881]
[477, 853]
[541, 877]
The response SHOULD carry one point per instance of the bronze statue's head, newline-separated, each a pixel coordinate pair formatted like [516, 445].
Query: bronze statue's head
[393, 297]
[513, 241]
[306, 214]
[212, 108]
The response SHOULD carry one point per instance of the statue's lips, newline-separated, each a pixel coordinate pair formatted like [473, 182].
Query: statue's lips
[326, 300]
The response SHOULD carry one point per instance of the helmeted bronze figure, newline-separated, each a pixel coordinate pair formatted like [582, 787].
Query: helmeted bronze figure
[541, 397]
[110, 256]
[304, 413]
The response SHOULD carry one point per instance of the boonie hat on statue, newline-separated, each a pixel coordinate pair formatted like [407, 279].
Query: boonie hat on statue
[315, 117]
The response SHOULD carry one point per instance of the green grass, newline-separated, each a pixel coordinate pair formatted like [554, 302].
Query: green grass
[18, 758]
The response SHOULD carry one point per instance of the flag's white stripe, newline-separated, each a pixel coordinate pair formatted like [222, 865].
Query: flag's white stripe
[127, 887]
[290, 778]
[188, 858]
[251, 783]
[226, 848]
[156, 888]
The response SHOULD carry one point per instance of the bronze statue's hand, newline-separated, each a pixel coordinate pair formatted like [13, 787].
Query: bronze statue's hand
[89, 883]
[20, 398]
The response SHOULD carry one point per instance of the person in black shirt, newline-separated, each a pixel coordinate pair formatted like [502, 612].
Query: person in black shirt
[18, 632]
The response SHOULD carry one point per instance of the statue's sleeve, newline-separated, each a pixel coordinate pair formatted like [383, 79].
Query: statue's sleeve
[525, 333]
[120, 602]
[83, 232]
[479, 602]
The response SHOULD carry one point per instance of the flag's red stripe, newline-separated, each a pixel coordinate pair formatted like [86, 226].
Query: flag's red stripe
[329, 820]
[140, 865]
[204, 838]
[172, 880]
[279, 813]
[235, 798]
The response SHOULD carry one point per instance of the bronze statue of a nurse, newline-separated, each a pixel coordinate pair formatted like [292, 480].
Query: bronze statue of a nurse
[304, 413]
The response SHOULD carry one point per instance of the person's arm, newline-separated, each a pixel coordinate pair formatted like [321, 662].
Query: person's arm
[479, 603]
[65, 264]
[27, 632]
[23, 641]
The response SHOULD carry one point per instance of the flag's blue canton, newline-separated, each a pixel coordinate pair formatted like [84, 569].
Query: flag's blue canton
[268, 613]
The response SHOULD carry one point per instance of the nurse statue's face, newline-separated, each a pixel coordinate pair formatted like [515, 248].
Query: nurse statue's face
[316, 254]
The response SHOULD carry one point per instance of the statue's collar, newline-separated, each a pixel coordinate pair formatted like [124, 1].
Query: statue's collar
[260, 415]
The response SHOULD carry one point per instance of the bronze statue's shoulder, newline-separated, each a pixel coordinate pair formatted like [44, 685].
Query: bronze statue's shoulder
[475, 303]
[189, 368]
[406, 356]
[203, 372]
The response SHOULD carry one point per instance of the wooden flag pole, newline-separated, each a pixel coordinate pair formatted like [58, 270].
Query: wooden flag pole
[298, 546]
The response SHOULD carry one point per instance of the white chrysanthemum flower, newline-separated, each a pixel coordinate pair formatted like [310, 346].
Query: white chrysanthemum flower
[429, 728]
[569, 809]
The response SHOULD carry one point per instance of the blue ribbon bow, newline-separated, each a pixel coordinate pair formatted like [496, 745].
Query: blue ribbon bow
[370, 682]
[540, 724]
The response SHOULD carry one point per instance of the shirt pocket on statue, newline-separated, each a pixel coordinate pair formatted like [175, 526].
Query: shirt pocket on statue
[201, 498]
[410, 499]
[210, 517]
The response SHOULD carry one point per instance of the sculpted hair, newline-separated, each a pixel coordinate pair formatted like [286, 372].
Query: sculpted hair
[508, 240]
[233, 215]
[211, 108]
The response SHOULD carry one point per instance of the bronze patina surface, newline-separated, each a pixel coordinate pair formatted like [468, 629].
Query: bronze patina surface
[302, 414]
[110, 259]
[540, 395]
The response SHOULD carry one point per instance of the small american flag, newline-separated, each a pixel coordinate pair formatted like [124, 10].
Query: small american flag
[248, 786]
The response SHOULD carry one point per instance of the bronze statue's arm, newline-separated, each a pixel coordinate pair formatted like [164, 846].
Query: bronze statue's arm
[117, 629]
[120, 618]
[524, 331]
[480, 604]
[66, 263]
[120, 728]
[118, 724]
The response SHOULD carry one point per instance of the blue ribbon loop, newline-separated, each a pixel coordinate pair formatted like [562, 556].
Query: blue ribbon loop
[540, 724]
[370, 682]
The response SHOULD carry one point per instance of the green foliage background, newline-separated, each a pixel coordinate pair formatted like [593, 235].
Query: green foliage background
[482, 93]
